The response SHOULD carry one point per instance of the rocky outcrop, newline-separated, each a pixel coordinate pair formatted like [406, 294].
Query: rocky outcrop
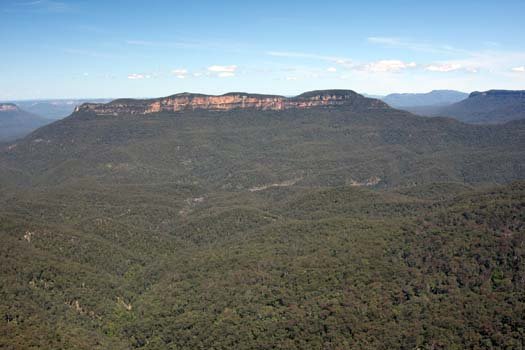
[8, 107]
[499, 93]
[230, 101]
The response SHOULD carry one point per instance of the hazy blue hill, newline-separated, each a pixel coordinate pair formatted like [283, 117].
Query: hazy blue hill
[54, 109]
[433, 98]
[492, 107]
[16, 123]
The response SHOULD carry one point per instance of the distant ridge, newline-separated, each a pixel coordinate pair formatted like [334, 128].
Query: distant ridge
[55, 109]
[486, 107]
[433, 98]
[499, 93]
[16, 123]
[232, 100]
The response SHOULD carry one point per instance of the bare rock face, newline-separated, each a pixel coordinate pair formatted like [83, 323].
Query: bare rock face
[8, 107]
[230, 101]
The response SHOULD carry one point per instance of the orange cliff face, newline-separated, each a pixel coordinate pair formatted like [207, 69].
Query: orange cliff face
[215, 103]
[186, 101]
[8, 107]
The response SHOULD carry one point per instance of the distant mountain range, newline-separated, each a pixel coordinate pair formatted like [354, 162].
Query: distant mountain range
[362, 137]
[433, 98]
[494, 106]
[54, 109]
[489, 107]
[16, 123]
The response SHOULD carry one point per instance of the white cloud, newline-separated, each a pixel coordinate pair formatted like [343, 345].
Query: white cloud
[520, 69]
[226, 74]
[331, 69]
[291, 78]
[401, 43]
[180, 73]
[494, 59]
[41, 6]
[91, 53]
[388, 66]
[334, 59]
[222, 69]
[444, 67]
[136, 76]
[168, 44]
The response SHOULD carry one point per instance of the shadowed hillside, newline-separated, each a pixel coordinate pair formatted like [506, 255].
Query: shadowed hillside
[241, 149]
[434, 98]
[489, 107]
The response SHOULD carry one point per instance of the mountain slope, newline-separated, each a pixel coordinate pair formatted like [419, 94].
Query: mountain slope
[433, 98]
[245, 148]
[16, 123]
[332, 223]
[492, 107]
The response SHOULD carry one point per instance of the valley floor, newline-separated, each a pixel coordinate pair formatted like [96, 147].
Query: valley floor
[283, 267]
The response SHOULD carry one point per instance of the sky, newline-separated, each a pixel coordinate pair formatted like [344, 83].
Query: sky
[111, 49]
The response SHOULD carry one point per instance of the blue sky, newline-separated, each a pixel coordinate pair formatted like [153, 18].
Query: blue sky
[68, 49]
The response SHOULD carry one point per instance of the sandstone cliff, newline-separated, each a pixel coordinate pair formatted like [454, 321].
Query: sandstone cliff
[8, 107]
[233, 100]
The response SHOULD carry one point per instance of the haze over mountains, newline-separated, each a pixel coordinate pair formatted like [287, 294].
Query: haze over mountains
[56, 108]
[19, 118]
[433, 98]
[489, 107]
[492, 107]
[16, 123]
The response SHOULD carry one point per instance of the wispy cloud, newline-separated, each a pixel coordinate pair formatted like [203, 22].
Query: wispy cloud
[180, 73]
[490, 58]
[91, 29]
[222, 71]
[205, 44]
[40, 6]
[444, 67]
[347, 63]
[339, 60]
[520, 69]
[388, 66]
[226, 74]
[407, 44]
[164, 44]
[138, 76]
[89, 53]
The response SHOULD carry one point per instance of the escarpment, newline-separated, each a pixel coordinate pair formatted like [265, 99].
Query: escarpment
[233, 100]
[8, 107]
